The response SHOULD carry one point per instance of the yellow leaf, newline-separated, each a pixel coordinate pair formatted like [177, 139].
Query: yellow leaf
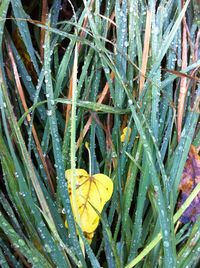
[126, 132]
[92, 192]
[89, 236]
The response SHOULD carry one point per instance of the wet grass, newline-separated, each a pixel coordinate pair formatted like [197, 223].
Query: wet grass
[81, 71]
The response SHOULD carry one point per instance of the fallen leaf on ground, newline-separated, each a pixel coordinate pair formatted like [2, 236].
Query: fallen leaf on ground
[92, 193]
[190, 178]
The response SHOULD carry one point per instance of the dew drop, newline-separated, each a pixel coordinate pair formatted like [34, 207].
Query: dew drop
[49, 112]
[28, 78]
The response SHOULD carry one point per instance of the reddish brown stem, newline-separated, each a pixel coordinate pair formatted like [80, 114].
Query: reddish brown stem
[23, 100]
[183, 83]
[89, 122]
[145, 50]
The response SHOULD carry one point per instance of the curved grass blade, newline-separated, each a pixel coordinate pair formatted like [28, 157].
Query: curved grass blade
[3, 261]
[62, 184]
[21, 17]
[29, 252]
[158, 237]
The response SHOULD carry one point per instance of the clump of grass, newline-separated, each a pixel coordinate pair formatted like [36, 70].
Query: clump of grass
[82, 71]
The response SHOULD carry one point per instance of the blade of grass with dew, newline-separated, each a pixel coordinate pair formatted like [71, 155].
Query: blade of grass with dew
[158, 237]
[190, 252]
[62, 184]
[147, 225]
[107, 14]
[121, 46]
[120, 61]
[132, 7]
[157, 153]
[10, 257]
[95, 107]
[166, 43]
[55, 214]
[94, 262]
[22, 211]
[26, 80]
[55, 12]
[55, 60]
[7, 160]
[196, 141]
[18, 242]
[168, 134]
[24, 152]
[87, 105]
[63, 245]
[172, 77]
[127, 146]
[83, 79]
[60, 77]
[101, 141]
[3, 260]
[64, 34]
[164, 218]
[81, 148]
[36, 142]
[168, 39]
[3, 13]
[182, 149]
[113, 207]
[65, 60]
[89, 55]
[23, 187]
[146, 47]
[21, 17]
[110, 247]
[14, 193]
[164, 177]
[137, 227]
[129, 188]
[93, 96]
[171, 59]
[162, 210]
[94, 163]
[73, 139]
[35, 101]
[9, 211]
[161, 204]
[155, 43]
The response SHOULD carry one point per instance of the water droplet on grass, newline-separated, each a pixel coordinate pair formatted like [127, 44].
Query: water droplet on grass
[166, 244]
[49, 112]
[28, 78]
[126, 44]
[21, 242]
[130, 102]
